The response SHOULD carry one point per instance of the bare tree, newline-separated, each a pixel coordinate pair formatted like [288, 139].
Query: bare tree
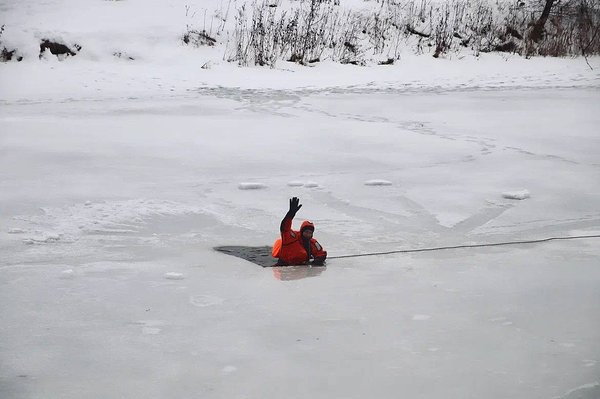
[309, 36]
[538, 28]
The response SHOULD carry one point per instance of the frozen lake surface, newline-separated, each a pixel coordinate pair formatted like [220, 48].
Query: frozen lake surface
[110, 287]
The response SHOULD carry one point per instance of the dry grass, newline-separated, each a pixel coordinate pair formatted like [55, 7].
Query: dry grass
[312, 30]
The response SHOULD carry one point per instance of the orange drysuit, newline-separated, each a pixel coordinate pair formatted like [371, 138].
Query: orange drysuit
[297, 250]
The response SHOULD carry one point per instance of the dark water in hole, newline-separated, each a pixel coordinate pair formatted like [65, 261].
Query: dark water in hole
[258, 255]
[262, 257]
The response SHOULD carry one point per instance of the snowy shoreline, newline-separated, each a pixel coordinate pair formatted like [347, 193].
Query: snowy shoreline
[82, 79]
[162, 66]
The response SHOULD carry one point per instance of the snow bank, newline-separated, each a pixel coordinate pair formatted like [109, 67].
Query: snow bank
[138, 41]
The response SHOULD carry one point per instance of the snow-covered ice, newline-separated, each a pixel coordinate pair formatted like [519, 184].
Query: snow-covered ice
[138, 204]
[122, 175]
[133, 202]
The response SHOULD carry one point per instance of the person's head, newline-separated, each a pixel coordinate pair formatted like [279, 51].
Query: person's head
[307, 229]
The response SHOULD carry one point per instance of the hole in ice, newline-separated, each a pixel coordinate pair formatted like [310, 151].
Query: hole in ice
[262, 257]
[258, 255]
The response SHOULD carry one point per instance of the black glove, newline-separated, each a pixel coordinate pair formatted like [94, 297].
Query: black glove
[319, 261]
[294, 206]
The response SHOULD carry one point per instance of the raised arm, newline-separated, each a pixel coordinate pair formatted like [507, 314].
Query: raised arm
[286, 223]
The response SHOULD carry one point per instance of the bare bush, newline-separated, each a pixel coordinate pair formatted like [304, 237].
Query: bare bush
[312, 30]
[198, 38]
[6, 54]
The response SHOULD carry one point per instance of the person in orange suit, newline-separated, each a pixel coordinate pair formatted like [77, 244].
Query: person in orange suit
[298, 247]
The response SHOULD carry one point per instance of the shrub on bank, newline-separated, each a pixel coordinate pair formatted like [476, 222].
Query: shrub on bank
[305, 31]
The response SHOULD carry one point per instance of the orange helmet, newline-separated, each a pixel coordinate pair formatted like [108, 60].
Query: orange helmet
[307, 225]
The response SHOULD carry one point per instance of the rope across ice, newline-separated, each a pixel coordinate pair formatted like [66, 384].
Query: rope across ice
[494, 244]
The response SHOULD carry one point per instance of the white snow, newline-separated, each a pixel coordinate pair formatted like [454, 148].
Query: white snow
[295, 183]
[174, 276]
[229, 369]
[67, 274]
[516, 195]
[205, 300]
[306, 184]
[311, 184]
[150, 327]
[378, 182]
[43, 238]
[252, 186]
[589, 386]
[123, 174]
